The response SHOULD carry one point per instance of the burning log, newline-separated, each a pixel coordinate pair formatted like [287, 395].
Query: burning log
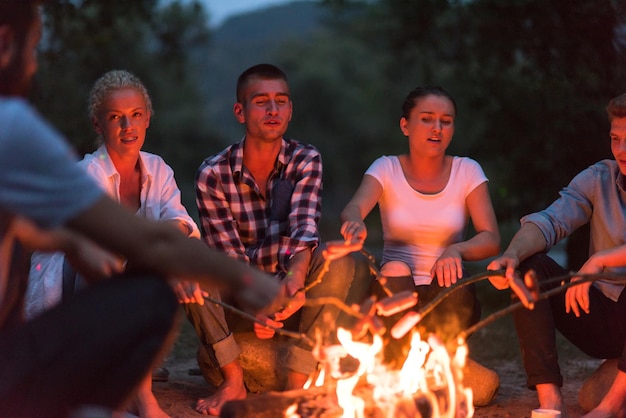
[276, 404]
[321, 402]
[434, 377]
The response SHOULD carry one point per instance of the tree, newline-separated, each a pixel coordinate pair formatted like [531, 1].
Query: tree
[84, 39]
[531, 79]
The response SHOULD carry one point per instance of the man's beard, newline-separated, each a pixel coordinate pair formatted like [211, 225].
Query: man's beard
[13, 81]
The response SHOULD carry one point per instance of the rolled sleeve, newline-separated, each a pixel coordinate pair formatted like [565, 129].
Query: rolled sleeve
[571, 210]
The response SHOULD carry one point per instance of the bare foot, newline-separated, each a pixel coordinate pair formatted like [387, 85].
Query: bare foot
[295, 380]
[232, 389]
[550, 398]
[613, 405]
[149, 408]
[609, 408]
[145, 404]
[213, 404]
[595, 413]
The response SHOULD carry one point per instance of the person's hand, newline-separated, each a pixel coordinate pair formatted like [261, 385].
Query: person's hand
[188, 291]
[85, 256]
[93, 262]
[260, 293]
[577, 297]
[354, 232]
[506, 262]
[295, 300]
[448, 268]
[264, 332]
[337, 249]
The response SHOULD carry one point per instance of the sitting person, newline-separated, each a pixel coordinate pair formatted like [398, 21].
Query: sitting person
[590, 315]
[426, 198]
[259, 201]
[96, 348]
[120, 110]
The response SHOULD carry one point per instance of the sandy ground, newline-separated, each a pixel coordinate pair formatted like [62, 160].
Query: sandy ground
[495, 347]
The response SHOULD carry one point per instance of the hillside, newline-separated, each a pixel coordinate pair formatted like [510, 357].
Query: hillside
[245, 40]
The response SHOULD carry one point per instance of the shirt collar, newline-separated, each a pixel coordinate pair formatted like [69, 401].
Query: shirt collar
[620, 181]
[109, 168]
[284, 155]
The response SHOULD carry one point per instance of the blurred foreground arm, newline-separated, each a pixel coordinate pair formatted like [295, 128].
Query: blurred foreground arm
[86, 257]
[160, 248]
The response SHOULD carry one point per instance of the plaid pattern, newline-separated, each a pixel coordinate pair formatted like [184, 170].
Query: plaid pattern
[237, 219]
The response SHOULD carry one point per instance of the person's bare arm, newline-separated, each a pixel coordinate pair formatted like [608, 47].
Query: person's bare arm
[448, 268]
[160, 248]
[294, 281]
[527, 241]
[178, 225]
[85, 256]
[353, 215]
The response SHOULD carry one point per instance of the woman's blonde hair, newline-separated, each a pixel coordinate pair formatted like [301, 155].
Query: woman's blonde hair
[113, 81]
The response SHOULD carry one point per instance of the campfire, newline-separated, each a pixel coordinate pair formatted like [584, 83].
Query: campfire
[429, 384]
[352, 380]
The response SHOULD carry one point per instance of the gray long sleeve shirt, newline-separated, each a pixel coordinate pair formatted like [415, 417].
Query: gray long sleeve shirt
[596, 195]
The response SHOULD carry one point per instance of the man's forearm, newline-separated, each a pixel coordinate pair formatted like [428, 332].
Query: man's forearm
[299, 267]
[47, 240]
[529, 240]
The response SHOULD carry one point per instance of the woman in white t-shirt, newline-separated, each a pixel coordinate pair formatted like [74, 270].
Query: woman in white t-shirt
[426, 199]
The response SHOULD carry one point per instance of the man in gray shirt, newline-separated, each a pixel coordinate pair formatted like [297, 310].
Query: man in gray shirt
[94, 349]
[591, 315]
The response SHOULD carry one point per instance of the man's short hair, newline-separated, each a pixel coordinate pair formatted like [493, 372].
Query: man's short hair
[617, 107]
[262, 71]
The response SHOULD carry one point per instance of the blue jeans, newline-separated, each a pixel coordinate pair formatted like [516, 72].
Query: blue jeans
[217, 339]
[600, 334]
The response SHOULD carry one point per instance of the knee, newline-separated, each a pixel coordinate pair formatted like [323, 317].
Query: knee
[154, 292]
[543, 265]
[341, 269]
[395, 269]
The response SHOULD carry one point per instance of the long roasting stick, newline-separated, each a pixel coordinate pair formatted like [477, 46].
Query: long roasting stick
[281, 331]
[584, 278]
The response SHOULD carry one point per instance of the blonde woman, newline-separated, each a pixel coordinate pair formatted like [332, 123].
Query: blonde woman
[120, 110]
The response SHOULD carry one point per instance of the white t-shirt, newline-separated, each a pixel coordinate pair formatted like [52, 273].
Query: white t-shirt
[418, 227]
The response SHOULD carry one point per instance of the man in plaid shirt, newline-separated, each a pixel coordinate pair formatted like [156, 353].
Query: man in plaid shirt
[259, 201]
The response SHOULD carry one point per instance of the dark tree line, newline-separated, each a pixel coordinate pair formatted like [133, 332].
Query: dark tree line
[531, 78]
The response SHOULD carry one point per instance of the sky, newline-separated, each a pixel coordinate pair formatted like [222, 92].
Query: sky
[222, 9]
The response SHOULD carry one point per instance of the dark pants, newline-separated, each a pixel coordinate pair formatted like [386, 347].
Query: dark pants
[600, 334]
[92, 350]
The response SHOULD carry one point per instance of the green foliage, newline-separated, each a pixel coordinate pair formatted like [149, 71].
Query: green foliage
[531, 79]
[85, 39]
